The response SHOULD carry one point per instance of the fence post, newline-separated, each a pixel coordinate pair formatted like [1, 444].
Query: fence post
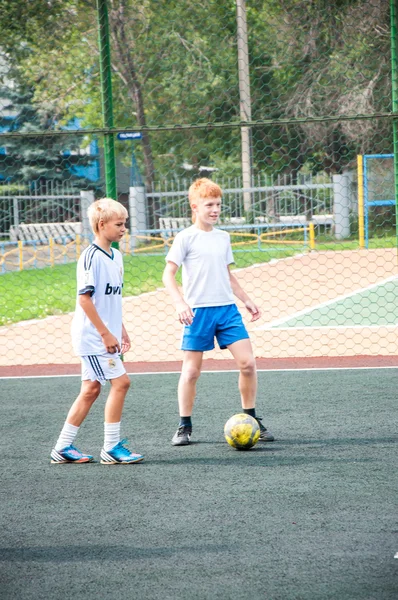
[341, 206]
[137, 212]
[16, 213]
[86, 198]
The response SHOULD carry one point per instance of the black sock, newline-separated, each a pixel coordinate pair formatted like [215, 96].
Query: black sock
[250, 411]
[185, 422]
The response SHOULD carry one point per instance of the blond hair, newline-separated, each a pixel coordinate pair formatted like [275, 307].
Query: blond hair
[105, 209]
[203, 188]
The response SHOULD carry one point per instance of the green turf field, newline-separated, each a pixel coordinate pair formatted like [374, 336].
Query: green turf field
[312, 516]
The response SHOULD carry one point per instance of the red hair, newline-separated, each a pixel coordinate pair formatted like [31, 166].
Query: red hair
[202, 189]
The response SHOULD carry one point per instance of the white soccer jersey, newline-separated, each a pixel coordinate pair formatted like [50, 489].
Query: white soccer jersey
[204, 256]
[100, 274]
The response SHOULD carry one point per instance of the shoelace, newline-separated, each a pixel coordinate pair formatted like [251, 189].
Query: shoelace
[121, 447]
[182, 430]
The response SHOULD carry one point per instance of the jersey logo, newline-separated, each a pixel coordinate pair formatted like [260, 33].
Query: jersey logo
[116, 289]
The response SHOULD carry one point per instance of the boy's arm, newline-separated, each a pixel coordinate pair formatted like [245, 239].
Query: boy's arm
[241, 294]
[184, 312]
[109, 340]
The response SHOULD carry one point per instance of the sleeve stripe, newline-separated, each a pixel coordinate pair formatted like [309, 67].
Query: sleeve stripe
[85, 290]
[88, 259]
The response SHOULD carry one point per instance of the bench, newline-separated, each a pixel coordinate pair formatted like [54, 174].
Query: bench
[326, 221]
[171, 225]
[42, 232]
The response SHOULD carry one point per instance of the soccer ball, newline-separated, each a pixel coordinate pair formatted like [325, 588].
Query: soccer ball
[242, 431]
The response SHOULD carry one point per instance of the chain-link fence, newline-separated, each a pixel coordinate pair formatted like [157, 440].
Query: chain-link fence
[288, 105]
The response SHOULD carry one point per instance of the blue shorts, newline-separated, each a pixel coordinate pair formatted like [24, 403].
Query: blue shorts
[221, 322]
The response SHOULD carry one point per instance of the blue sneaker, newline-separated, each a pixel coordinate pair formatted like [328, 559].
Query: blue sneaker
[120, 455]
[70, 454]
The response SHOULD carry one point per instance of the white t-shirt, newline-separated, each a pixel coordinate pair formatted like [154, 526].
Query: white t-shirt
[204, 256]
[100, 274]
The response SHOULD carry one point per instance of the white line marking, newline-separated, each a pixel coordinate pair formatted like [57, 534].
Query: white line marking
[298, 370]
[306, 311]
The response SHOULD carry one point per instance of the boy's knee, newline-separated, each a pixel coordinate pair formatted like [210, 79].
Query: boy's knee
[248, 366]
[191, 374]
[122, 383]
[91, 391]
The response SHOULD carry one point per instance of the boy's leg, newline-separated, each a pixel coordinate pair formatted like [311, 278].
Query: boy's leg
[64, 451]
[190, 372]
[114, 452]
[115, 401]
[89, 392]
[243, 354]
[244, 358]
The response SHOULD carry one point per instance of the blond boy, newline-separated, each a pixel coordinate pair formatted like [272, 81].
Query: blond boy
[207, 308]
[99, 338]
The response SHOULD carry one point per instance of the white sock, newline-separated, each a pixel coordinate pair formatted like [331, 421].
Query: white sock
[112, 435]
[67, 436]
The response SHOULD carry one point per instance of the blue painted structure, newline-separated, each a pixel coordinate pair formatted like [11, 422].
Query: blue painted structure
[369, 203]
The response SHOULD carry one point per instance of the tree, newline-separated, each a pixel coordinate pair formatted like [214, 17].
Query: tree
[43, 157]
[175, 63]
[330, 59]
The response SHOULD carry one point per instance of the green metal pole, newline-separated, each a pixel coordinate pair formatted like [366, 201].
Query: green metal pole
[394, 85]
[106, 98]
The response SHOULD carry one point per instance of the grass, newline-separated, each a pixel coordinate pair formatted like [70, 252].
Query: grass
[39, 293]
[329, 243]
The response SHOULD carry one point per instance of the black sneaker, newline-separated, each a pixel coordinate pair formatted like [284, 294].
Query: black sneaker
[182, 436]
[265, 435]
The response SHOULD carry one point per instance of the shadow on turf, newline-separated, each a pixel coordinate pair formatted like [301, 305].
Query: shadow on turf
[253, 459]
[79, 553]
[277, 445]
[340, 441]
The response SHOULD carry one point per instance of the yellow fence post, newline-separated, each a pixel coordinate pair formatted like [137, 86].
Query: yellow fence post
[312, 235]
[51, 241]
[361, 212]
[20, 246]
[127, 244]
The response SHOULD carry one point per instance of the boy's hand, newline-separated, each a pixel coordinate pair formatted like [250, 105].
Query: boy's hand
[110, 342]
[253, 310]
[126, 344]
[185, 314]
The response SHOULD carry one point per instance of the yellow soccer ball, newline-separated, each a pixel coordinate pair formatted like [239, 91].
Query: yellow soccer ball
[242, 431]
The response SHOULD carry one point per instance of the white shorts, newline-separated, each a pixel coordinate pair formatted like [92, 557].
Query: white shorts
[102, 368]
